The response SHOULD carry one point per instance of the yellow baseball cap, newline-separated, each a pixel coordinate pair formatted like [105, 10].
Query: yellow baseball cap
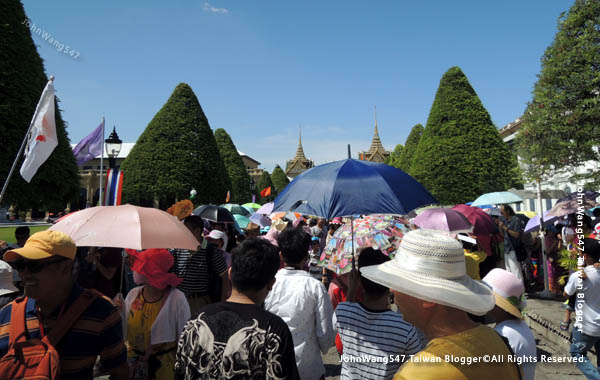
[44, 244]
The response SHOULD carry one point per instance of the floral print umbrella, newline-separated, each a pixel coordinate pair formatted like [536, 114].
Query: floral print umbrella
[383, 232]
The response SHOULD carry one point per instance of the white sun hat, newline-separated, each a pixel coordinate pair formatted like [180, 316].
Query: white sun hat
[6, 279]
[430, 265]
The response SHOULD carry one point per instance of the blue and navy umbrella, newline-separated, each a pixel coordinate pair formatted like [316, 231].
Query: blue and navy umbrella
[351, 187]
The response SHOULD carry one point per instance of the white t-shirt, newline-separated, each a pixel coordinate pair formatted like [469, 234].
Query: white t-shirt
[587, 296]
[302, 302]
[522, 342]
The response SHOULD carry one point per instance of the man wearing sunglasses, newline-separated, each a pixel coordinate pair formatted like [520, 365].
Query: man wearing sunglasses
[45, 264]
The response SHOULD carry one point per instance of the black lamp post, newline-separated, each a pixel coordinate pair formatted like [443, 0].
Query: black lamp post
[113, 147]
[252, 185]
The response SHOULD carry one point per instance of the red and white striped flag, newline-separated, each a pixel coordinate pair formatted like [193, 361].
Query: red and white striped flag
[42, 137]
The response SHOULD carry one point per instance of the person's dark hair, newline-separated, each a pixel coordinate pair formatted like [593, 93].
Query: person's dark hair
[254, 264]
[312, 222]
[591, 247]
[22, 231]
[587, 222]
[294, 244]
[508, 210]
[194, 221]
[370, 256]
[596, 212]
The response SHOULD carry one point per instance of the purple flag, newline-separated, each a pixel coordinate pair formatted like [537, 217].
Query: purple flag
[90, 147]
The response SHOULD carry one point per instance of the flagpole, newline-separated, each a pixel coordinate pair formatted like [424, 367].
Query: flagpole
[14, 165]
[101, 163]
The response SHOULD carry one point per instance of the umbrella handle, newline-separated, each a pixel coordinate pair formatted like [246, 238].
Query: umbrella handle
[352, 233]
[123, 254]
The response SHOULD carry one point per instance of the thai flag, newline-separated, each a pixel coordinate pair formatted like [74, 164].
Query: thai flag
[113, 188]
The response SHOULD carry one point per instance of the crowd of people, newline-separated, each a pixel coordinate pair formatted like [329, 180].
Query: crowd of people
[259, 306]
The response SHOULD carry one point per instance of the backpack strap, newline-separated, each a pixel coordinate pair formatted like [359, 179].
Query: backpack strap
[80, 305]
[18, 328]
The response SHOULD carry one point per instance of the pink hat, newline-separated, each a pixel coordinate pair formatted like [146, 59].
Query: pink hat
[336, 220]
[271, 237]
[508, 290]
[296, 222]
[154, 264]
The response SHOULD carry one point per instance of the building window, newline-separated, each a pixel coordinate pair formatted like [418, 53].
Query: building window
[518, 206]
[548, 204]
[532, 205]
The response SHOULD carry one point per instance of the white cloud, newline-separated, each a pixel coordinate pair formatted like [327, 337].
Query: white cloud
[209, 8]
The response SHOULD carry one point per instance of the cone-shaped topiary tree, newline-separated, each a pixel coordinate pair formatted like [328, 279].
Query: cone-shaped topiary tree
[560, 125]
[394, 157]
[176, 152]
[410, 147]
[461, 155]
[263, 183]
[21, 84]
[240, 179]
[279, 179]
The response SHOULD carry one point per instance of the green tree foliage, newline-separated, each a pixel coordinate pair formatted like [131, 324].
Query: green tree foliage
[22, 79]
[176, 152]
[263, 183]
[410, 147]
[279, 179]
[461, 155]
[560, 125]
[394, 157]
[240, 179]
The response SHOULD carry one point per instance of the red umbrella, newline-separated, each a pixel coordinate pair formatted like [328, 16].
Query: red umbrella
[482, 222]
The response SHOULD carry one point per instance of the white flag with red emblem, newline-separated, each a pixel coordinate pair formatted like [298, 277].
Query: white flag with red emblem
[42, 137]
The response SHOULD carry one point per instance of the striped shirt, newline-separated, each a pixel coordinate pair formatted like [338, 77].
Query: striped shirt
[375, 342]
[192, 266]
[98, 331]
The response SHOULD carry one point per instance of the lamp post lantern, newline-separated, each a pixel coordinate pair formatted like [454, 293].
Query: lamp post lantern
[113, 147]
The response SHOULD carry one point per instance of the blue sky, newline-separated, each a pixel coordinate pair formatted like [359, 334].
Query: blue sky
[261, 69]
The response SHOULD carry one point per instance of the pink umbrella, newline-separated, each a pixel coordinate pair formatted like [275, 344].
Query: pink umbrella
[126, 226]
[443, 219]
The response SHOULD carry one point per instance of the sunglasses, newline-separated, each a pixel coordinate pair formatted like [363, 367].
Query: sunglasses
[34, 266]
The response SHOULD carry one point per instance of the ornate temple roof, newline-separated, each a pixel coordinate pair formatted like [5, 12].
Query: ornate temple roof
[299, 163]
[376, 152]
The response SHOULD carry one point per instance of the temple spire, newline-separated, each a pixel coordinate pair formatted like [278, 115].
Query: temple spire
[376, 142]
[376, 131]
[300, 151]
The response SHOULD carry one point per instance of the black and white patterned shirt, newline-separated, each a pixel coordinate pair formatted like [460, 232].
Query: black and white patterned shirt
[235, 341]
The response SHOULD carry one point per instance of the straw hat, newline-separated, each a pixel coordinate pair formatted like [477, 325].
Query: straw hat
[430, 265]
[252, 227]
[508, 291]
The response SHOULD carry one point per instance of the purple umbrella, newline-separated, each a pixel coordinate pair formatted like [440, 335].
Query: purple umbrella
[534, 223]
[261, 220]
[266, 209]
[443, 219]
